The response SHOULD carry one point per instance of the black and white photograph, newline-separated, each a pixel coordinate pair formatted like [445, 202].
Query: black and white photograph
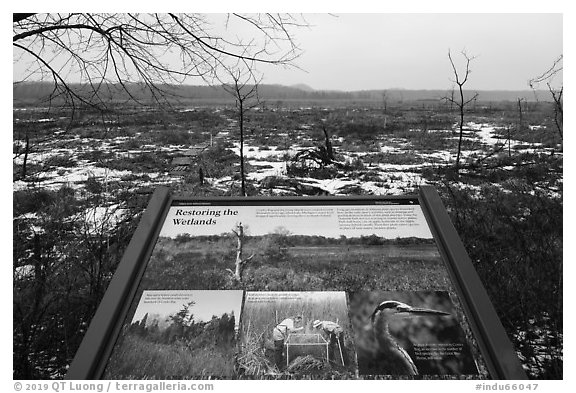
[296, 335]
[410, 149]
[296, 247]
[179, 335]
[409, 334]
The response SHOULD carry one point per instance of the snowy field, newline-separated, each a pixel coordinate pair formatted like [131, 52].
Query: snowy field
[394, 179]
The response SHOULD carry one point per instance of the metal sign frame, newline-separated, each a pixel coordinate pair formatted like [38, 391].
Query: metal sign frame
[96, 347]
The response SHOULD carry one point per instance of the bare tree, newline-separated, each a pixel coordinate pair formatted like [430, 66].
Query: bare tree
[328, 143]
[556, 92]
[461, 102]
[385, 106]
[119, 55]
[520, 114]
[98, 60]
[240, 261]
[244, 89]
[558, 109]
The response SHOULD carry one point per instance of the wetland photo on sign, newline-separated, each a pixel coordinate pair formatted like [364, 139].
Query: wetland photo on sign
[179, 334]
[297, 248]
[294, 263]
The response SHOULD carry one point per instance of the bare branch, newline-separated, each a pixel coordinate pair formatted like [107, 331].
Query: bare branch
[157, 50]
[548, 74]
[20, 17]
[471, 99]
[547, 77]
[461, 103]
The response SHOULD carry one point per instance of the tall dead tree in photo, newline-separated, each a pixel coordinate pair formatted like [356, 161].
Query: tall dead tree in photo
[556, 92]
[244, 89]
[461, 101]
[240, 260]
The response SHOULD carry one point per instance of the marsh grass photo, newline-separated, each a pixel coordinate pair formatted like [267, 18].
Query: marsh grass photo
[263, 311]
[297, 263]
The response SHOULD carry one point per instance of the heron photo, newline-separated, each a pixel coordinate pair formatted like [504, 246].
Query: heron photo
[179, 334]
[409, 333]
[296, 335]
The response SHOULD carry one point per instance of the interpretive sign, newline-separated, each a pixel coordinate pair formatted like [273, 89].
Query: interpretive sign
[324, 288]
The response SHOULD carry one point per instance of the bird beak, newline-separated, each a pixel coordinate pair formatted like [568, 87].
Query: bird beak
[424, 312]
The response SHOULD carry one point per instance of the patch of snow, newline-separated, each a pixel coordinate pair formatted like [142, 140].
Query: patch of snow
[221, 183]
[392, 188]
[19, 143]
[488, 135]
[23, 272]
[27, 216]
[388, 149]
[398, 167]
[277, 169]
[255, 152]
[101, 219]
[330, 185]
[441, 155]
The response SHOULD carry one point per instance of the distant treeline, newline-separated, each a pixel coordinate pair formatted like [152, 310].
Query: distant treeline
[35, 92]
[183, 328]
[305, 240]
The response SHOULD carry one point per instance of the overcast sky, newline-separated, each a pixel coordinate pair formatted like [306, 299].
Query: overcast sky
[362, 51]
[380, 51]
[207, 303]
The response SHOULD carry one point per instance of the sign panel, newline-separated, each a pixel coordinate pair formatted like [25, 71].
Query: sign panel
[324, 288]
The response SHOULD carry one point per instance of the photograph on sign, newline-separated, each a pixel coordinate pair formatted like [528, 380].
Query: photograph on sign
[296, 248]
[409, 333]
[297, 265]
[179, 334]
[303, 333]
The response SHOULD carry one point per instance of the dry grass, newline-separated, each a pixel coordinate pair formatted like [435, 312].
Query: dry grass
[136, 358]
[260, 318]
[263, 316]
[252, 359]
[306, 364]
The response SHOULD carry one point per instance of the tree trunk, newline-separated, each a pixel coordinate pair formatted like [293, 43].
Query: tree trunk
[519, 114]
[509, 144]
[240, 262]
[461, 130]
[328, 143]
[239, 247]
[243, 185]
[25, 162]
